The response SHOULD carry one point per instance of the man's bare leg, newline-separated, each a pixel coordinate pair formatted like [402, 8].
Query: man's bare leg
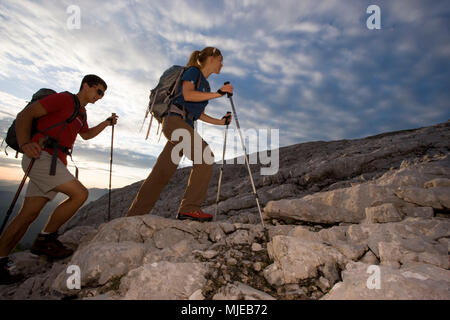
[77, 195]
[15, 231]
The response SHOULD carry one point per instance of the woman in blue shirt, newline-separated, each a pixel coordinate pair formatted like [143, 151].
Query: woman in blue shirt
[182, 139]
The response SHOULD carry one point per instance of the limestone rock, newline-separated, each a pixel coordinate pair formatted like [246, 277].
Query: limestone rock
[209, 254]
[416, 232]
[400, 188]
[298, 260]
[420, 212]
[352, 251]
[168, 237]
[29, 264]
[163, 281]
[99, 262]
[417, 282]
[216, 233]
[335, 234]
[381, 214]
[314, 209]
[445, 242]
[197, 295]
[439, 182]
[39, 287]
[77, 236]
[227, 227]
[280, 230]
[240, 291]
[274, 275]
[305, 234]
[181, 251]
[239, 237]
[437, 198]
[342, 205]
[369, 258]
[256, 247]
[119, 230]
[413, 251]
[283, 191]
[330, 271]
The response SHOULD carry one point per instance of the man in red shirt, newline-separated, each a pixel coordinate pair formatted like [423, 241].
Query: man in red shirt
[43, 187]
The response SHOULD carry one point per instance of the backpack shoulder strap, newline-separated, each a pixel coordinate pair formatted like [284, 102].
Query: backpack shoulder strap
[197, 84]
[76, 110]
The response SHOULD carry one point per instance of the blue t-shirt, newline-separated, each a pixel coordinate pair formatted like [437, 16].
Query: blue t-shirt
[194, 108]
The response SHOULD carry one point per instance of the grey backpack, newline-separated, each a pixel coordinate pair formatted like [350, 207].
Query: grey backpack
[163, 95]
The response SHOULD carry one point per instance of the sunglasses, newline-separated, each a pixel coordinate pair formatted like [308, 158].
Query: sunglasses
[100, 93]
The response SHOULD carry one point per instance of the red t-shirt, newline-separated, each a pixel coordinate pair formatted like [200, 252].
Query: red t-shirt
[59, 108]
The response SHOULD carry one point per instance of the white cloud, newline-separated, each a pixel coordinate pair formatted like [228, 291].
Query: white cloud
[308, 27]
[10, 105]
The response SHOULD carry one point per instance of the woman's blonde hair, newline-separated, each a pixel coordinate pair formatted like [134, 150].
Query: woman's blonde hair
[198, 58]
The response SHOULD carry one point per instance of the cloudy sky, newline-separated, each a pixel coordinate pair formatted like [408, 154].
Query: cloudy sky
[311, 69]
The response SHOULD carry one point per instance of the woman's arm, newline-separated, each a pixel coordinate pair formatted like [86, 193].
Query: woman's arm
[205, 118]
[192, 95]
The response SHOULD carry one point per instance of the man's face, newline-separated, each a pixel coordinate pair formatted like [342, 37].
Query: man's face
[96, 92]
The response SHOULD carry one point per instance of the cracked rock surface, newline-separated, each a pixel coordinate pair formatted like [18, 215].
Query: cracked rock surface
[351, 219]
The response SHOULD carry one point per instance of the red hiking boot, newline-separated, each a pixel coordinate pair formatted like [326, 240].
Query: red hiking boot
[198, 215]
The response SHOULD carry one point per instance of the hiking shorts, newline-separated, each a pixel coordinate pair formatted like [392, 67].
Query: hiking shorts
[41, 183]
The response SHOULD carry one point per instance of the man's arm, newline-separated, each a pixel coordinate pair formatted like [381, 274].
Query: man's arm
[93, 132]
[24, 121]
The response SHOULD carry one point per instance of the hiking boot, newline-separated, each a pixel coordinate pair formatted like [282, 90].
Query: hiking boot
[198, 215]
[49, 245]
[6, 278]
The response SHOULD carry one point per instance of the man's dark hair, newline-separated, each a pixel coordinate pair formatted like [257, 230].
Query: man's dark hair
[93, 80]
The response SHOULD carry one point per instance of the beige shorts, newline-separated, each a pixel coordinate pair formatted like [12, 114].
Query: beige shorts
[41, 183]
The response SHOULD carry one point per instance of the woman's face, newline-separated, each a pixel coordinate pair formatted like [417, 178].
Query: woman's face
[216, 64]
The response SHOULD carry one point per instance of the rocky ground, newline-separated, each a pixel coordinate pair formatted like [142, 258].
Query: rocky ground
[351, 219]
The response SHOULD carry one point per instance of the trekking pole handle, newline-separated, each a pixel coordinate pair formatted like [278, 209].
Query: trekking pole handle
[228, 94]
[112, 118]
[227, 118]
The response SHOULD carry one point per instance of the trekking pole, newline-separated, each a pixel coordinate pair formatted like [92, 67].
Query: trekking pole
[221, 169]
[11, 208]
[110, 167]
[245, 154]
